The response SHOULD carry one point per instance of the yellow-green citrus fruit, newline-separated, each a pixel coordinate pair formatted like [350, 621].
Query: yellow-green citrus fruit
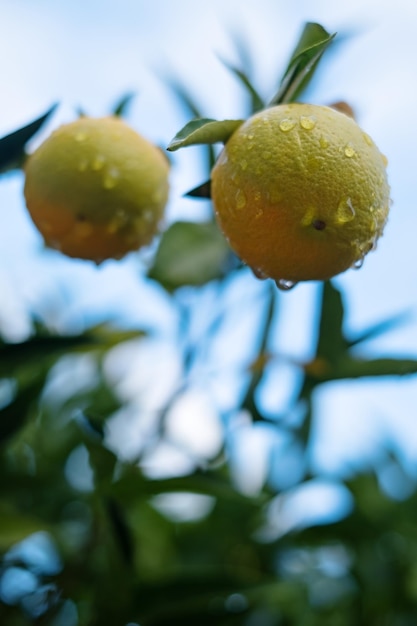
[301, 193]
[96, 189]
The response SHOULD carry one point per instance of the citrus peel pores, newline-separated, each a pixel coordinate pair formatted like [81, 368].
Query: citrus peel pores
[301, 193]
[96, 189]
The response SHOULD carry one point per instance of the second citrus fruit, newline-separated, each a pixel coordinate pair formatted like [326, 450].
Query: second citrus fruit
[96, 189]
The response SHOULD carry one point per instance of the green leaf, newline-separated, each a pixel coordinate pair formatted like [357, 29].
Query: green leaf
[184, 96]
[358, 368]
[256, 102]
[379, 329]
[39, 348]
[202, 131]
[331, 341]
[202, 191]
[12, 153]
[14, 415]
[312, 44]
[120, 109]
[190, 254]
[188, 102]
[131, 482]
[16, 526]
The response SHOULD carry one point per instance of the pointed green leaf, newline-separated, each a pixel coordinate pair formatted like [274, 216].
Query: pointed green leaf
[379, 329]
[14, 415]
[122, 106]
[16, 526]
[331, 341]
[357, 368]
[313, 42]
[202, 191]
[184, 96]
[12, 146]
[190, 254]
[39, 348]
[188, 102]
[204, 130]
[256, 102]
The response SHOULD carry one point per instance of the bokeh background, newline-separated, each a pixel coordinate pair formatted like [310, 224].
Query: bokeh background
[85, 56]
[88, 55]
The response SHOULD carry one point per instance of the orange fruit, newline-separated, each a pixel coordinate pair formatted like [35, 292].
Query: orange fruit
[96, 189]
[301, 193]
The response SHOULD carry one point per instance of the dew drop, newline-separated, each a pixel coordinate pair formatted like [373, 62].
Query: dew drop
[309, 217]
[250, 136]
[98, 162]
[345, 212]
[80, 136]
[324, 142]
[368, 140]
[285, 285]
[111, 178]
[148, 215]
[307, 122]
[54, 243]
[384, 160]
[349, 151]
[260, 274]
[240, 199]
[119, 220]
[358, 263]
[286, 125]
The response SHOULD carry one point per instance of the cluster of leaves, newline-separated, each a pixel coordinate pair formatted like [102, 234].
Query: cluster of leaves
[122, 561]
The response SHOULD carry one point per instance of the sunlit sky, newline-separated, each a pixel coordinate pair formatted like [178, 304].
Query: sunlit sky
[87, 54]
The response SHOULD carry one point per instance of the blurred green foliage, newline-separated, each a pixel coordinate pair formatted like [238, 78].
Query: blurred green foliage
[111, 555]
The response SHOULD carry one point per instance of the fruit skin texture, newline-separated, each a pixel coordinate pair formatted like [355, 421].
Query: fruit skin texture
[96, 189]
[300, 192]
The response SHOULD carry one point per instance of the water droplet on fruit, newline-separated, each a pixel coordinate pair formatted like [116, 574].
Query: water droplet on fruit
[240, 199]
[358, 263]
[286, 125]
[260, 274]
[285, 285]
[306, 122]
[148, 215]
[118, 221]
[111, 178]
[368, 140]
[80, 136]
[324, 142]
[345, 212]
[349, 151]
[98, 162]
[384, 159]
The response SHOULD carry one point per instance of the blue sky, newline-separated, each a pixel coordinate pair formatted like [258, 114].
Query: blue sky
[88, 53]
